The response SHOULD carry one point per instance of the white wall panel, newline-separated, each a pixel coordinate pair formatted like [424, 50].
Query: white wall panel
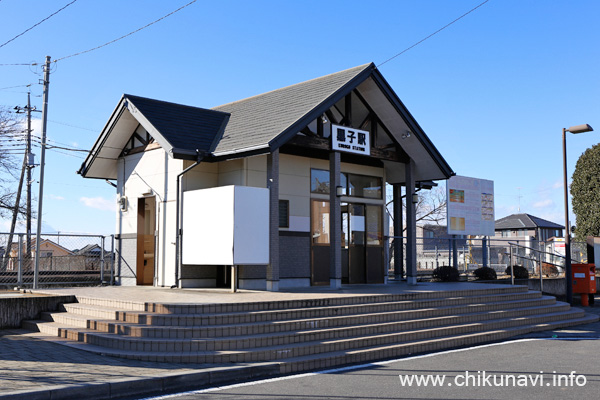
[226, 225]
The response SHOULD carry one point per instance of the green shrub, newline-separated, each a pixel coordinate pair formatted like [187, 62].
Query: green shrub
[520, 272]
[445, 274]
[485, 274]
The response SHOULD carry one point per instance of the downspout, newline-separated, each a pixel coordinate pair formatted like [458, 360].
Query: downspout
[178, 220]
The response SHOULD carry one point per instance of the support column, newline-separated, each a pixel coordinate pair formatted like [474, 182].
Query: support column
[411, 225]
[398, 231]
[484, 251]
[273, 186]
[335, 223]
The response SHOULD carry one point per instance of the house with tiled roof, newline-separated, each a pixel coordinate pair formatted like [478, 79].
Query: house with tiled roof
[322, 151]
[527, 225]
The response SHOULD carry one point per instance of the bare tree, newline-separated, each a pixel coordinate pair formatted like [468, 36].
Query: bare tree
[431, 207]
[10, 168]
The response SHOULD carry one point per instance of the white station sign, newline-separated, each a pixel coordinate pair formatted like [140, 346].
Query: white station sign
[350, 140]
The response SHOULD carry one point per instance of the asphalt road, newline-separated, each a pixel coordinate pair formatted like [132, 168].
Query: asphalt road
[527, 369]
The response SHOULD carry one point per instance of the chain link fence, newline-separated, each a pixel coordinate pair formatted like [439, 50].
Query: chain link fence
[65, 260]
[468, 254]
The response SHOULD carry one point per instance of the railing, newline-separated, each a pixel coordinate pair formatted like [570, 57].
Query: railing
[501, 254]
[66, 260]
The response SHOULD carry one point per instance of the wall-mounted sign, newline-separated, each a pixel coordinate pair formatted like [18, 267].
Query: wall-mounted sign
[350, 140]
[470, 206]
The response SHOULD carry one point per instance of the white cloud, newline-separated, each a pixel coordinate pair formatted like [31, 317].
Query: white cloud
[557, 185]
[543, 203]
[99, 203]
[55, 197]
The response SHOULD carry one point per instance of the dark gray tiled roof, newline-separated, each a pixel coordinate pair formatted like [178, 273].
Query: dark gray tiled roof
[258, 120]
[524, 221]
[184, 127]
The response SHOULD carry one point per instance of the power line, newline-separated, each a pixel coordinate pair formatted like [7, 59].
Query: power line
[73, 126]
[129, 34]
[66, 148]
[434, 33]
[45, 19]
[12, 87]
[6, 65]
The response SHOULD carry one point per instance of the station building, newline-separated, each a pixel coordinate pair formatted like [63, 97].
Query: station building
[324, 150]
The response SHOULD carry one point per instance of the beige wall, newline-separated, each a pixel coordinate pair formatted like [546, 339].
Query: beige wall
[155, 170]
[137, 174]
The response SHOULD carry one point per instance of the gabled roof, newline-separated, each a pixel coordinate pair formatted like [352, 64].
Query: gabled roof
[15, 245]
[90, 248]
[524, 221]
[259, 121]
[183, 131]
[263, 123]
[184, 127]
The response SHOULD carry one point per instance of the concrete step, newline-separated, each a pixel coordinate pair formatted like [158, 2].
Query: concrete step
[192, 308]
[66, 318]
[324, 355]
[273, 347]
[158, 319]
[253, 328]
[295, 331]
[364, 355]
[93, 311]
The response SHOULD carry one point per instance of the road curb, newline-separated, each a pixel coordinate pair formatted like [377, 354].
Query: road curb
[147, 386]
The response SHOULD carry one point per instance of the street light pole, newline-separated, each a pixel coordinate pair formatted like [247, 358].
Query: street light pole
[567, 230]
[568, 270]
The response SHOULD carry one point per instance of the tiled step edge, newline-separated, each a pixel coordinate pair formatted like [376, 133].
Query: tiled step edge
[159, 319]
[361, 356]
[190, 308]
[111, 340]
[282, 353]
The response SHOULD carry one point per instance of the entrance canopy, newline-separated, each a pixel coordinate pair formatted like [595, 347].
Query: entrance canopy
[296, 119]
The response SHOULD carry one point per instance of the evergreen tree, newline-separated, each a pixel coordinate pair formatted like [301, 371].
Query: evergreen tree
[585, 190]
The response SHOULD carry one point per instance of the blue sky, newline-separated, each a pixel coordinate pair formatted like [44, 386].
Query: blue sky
[492, 91]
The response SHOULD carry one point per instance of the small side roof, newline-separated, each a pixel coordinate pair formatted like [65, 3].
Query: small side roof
[524, 221]
[183, 131]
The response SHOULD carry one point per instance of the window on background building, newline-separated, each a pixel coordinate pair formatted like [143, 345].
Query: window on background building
[284, 213]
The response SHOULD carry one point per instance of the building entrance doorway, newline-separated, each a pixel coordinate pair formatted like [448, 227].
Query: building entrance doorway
[362, 243]
[146, 226]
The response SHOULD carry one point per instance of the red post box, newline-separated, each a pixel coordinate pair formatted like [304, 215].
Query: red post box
[584, 281]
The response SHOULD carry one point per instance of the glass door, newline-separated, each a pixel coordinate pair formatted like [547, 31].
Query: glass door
[357, 251]
[345, 241]
[320, 243]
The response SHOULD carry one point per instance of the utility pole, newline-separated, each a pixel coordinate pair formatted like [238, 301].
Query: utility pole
[42, 162]
[30, 165]
[27, 163]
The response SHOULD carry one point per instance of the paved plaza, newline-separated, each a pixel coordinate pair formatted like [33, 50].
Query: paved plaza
[32, 368]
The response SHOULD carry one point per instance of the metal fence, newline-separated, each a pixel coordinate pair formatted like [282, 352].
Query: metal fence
[468, 254]
[66, 260]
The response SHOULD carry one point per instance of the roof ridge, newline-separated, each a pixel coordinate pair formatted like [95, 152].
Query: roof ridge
[133, 96]
[358, 68]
